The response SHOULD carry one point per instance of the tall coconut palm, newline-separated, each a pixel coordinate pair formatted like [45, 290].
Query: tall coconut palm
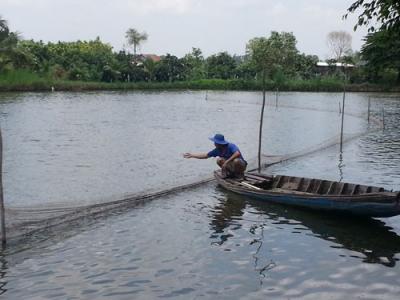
[3, 29]
[135, 38]
[3, 23]
[4, 42]
[8, 39]
[9, 54]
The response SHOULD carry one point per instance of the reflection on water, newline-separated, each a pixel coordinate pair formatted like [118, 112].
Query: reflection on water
[201, 243]
[207, 243]
[340, 166]
[223, 215]
[3, 272]
[371, 238]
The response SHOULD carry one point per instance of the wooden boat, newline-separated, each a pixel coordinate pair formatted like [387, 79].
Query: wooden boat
[318, 194]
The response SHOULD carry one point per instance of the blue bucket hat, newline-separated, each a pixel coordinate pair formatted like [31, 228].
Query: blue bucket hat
[218, 139]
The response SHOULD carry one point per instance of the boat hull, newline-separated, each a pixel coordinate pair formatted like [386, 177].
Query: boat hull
[369, 205]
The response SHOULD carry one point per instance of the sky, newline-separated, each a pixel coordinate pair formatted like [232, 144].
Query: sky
[175, 26]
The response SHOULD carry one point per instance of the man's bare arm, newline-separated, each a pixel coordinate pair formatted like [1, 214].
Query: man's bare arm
[196, 155]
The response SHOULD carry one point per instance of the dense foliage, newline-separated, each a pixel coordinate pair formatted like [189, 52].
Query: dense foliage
[276, 57]
[381, 52]
[386, 12]
[10, 55]
[221, 66]
[96, 61]
[81, 60]
[273, 58]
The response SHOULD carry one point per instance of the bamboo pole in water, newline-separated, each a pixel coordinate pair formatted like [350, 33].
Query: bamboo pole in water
[369, 107]
[261, 123]
[2, 213]
[341, 128]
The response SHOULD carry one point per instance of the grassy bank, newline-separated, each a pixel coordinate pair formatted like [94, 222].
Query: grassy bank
[26, 81]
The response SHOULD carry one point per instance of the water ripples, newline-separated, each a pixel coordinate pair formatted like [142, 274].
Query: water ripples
[205, 242]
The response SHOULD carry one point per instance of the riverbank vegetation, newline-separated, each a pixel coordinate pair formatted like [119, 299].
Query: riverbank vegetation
[27, 65]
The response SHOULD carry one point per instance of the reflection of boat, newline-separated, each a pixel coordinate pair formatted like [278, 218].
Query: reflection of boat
[323, 195]
[369, 237]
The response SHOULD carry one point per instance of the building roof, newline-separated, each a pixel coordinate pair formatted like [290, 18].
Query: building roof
[153, 57]
[338, 64]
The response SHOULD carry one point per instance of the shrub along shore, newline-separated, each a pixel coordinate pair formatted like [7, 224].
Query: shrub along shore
[21, 81]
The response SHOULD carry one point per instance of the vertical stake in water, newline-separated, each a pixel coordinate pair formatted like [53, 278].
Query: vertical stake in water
[276, 98]
[383, 118]
[343, 102]
[2, 213]
[369, 107]
[261, 123]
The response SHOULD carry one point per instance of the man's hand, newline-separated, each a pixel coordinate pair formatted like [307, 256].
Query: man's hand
[187, 155]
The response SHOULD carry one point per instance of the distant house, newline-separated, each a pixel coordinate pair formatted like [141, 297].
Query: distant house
[153, 57]
[140, 58]
[323, 67]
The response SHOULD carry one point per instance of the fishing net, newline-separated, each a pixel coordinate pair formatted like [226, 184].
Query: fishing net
[25, 221]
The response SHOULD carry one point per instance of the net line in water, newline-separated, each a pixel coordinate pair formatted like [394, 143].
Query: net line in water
[275, 159]
[24, 222]
[374, 114]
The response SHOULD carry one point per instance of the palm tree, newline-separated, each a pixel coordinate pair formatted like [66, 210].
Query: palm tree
[9, 55]
[3, 23]
[4, 42]
[3, 29]
[134, 38]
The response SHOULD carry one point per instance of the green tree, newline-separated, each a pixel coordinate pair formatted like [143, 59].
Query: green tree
[39, 53]
[80, 60]
[170, 68]
[272, 54]
[10, 56]
[246, 70]
[194, 64]
[261, 55]
[83, 60]
[150, 67]
[4, 30]
[381, 52]
[305, 66]
[221, 66]
[124, 65]
[386, 12]
[135, 38]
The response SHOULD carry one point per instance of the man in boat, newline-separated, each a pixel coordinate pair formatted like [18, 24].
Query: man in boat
[230, 158]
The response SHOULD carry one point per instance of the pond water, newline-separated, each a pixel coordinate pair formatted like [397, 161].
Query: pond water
[67, 149]
[71, 149]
